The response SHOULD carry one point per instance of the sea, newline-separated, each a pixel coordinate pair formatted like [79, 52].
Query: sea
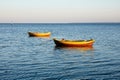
[34, 58]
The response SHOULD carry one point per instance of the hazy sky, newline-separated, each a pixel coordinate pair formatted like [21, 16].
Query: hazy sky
[50, 11]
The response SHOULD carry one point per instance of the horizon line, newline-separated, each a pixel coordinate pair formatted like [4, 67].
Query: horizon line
[61, 23]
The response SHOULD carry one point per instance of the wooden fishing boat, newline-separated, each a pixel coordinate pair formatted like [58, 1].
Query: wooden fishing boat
[38, 34]
[74, 43]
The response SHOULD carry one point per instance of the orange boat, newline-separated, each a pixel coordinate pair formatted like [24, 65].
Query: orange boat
[74, 43]
[38, 34]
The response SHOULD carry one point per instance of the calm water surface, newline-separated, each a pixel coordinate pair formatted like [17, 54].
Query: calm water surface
[29, 58]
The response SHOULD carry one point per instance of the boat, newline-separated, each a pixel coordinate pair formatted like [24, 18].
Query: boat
[38, 34]
[74, 43]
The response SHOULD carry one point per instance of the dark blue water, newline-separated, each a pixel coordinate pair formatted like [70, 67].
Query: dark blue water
[30, 58]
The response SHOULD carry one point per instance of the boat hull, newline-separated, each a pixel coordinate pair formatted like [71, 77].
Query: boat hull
[37, 34]
[62, 43]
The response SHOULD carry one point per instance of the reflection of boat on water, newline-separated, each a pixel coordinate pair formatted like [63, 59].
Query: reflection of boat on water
[38, 34]
[81, 49]
[74, 43]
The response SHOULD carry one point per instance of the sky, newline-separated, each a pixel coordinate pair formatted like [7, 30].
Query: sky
[59, 11]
